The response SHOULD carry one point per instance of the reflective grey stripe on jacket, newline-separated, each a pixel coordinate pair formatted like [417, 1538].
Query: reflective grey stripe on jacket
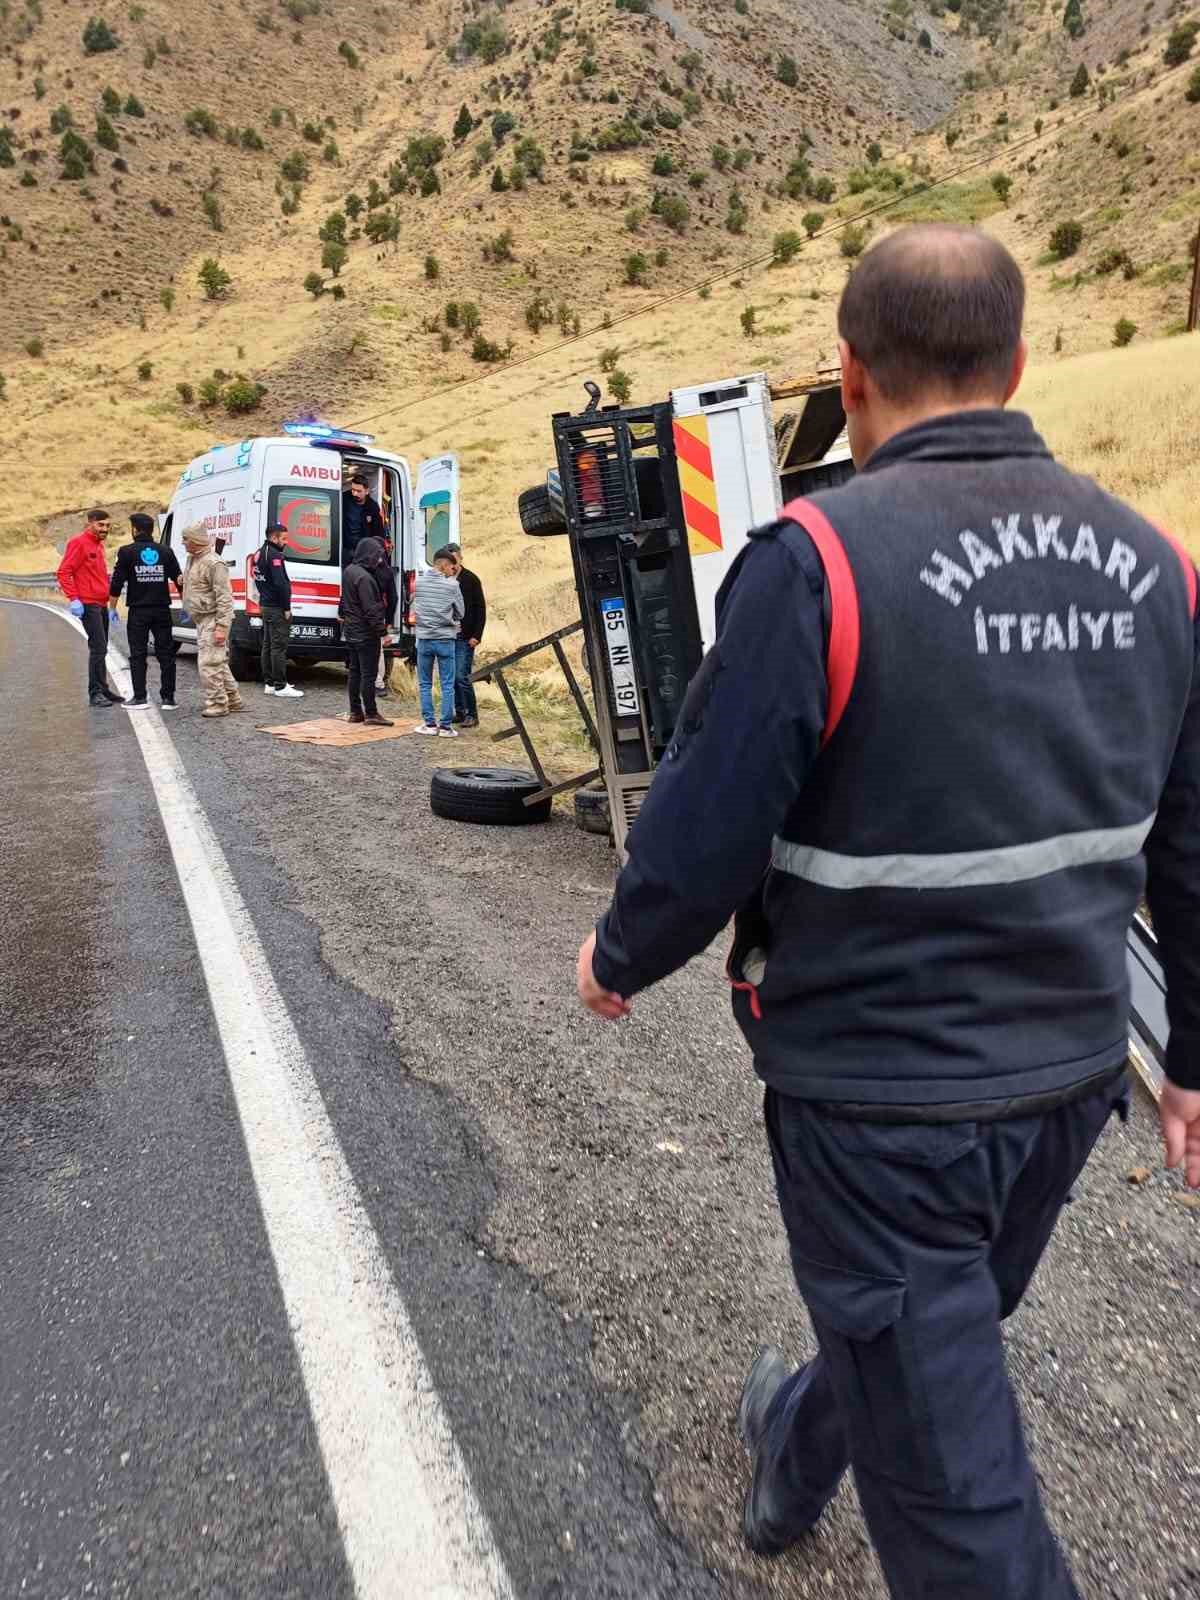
[961, 869]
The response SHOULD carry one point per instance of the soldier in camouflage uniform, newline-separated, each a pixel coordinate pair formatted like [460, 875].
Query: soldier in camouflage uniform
[209, 601]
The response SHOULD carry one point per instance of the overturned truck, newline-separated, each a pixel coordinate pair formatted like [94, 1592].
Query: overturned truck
[657, 500]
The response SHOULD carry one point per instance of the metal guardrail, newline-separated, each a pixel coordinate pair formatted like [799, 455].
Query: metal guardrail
[30, 580]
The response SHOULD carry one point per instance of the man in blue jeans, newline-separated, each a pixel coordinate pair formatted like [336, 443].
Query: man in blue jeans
[470, 632]
[437, 614]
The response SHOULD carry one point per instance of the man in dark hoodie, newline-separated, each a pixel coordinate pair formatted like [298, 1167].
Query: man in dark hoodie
[143, 570]
[363, 610]
[275, 602]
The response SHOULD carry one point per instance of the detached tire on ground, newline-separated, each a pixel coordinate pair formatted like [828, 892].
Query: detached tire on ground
[592, 811]
[538, 513]
[494, 795]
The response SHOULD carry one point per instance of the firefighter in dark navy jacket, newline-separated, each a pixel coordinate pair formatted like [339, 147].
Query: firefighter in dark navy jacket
[975, 743]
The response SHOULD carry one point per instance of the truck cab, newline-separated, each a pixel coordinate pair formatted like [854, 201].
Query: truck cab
[299, 478]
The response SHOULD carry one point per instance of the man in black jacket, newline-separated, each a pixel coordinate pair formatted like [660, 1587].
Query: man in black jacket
[275, 602]
[361, 519]
[466, 710]
[142, 571]
[363, 610]
[937, 828]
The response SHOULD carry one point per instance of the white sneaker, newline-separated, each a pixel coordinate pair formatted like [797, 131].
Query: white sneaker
[447, 733]
[268, 688]
[289, 693]
[429, 729]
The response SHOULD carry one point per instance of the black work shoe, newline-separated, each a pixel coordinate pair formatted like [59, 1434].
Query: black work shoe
[770, 1370]
[136, 704]
[100, 702]
[112, 697]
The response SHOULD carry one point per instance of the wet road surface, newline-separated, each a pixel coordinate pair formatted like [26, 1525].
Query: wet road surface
[579, 1219]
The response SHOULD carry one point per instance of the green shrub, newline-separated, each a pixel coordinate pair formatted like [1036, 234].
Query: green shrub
[382, 227]
[185, 392]
[241, 396]
[502, 123]
[349, 55]
[60, 119]
[483, 349]
[1002, 184]
[213, 278]
[666, 118]
[1073, 19]
[853, 242]
[98, 37]
[1065, 239]
[624, 135]
[500, 248]
[76, 156]
[539, 313]
[338, 291]
[530, 157]
[433, 269]
[331, 153]
[469, 317]
[451, 314]
[28, 181]
[35, 347]
[1112, 261]
[1180, 43]
[1081, 82]
[696, 180]
[7, 159]
[212, 210]
[276, 117]
[742, 157]
[145, 371]
[483, 37]
[620, 386]
[430, 183]
[334, 227]
[812, 222]
[748, 320]
[721, 157]
[202, 123]
[609, 359]
[1192, 93]
[874, 153]
[110, 102]
[295, 167]
[822, 190]
[464, 123]
[39, 88]
[1123, 332]
[314, 283]
[638, 7]
[636, 267]
[312, 132]
[167, 299]
[787, 71]
[210, 391]
[251, 139]
[675, 212]
[786, 245]
[354, 207]
[134, 107]
[499, 181]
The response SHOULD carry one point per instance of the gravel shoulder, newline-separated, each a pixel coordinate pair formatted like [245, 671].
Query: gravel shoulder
[629, 1179]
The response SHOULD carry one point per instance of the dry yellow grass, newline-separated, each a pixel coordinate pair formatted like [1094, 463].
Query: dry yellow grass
[1131, 420]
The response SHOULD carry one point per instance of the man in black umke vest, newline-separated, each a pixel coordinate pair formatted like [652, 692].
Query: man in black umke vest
[935, 817]
[144, 570]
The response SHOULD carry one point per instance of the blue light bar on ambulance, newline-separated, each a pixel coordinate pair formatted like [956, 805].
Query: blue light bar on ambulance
[323, 431]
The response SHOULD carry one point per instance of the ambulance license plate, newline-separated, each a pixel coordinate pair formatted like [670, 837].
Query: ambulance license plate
[314, 630]
[620, 657]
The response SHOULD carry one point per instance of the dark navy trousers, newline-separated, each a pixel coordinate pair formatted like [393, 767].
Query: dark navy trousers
[910, 1244]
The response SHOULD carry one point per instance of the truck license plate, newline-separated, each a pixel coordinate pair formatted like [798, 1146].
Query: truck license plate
[620, 656]
[312, 630]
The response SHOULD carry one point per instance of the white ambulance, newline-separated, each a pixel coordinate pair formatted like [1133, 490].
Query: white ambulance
[299, 479]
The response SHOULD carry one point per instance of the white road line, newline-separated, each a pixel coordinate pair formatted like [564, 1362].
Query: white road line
[409, 1520]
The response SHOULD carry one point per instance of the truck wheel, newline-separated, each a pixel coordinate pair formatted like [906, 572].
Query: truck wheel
[538, 513]
[592, 811]
[243, 663]
[494, 795]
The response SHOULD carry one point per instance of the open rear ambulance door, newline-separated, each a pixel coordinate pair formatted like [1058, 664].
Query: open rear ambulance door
[437, 507]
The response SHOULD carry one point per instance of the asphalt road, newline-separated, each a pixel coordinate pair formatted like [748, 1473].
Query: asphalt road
[578, 1217]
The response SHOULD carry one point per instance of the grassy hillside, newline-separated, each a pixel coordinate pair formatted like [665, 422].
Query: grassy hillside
[455, 326]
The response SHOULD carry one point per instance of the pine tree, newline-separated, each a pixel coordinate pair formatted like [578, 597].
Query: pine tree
[1081, 82]
[464, 122]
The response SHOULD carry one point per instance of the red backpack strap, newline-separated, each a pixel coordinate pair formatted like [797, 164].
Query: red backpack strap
[841, 663]
[1189, 566]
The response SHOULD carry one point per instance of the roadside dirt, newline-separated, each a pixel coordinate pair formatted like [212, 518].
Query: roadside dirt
[633, 1181]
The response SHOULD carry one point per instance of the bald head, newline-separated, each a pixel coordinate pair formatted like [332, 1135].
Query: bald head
[935, 310]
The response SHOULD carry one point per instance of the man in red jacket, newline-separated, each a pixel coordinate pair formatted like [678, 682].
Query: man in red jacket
[83, 578]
